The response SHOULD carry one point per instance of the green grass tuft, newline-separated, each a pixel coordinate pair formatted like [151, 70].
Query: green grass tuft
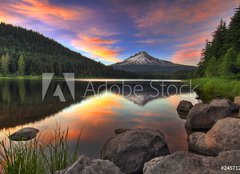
[38, 156]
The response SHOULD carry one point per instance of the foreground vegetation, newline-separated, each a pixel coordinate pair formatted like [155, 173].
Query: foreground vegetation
[210, 88]
[37, 156]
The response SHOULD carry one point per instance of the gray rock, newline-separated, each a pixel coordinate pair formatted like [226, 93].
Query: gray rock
[204, 116]
[85, 165]
[24, 134]
[131, 149]
[184, 106]
[189, 163]
[121, 130]
[197, 144]
[224, 135]
[224, 103]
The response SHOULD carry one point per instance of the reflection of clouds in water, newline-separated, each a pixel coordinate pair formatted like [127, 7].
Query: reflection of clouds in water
[99, 115]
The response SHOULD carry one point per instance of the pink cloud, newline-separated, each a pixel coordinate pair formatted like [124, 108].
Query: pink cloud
[187, 56]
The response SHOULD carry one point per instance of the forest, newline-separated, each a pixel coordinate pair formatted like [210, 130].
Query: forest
[221, 56]
[25, 52]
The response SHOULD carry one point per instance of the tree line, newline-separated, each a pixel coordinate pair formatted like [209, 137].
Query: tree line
[221, 56]
[26, 52]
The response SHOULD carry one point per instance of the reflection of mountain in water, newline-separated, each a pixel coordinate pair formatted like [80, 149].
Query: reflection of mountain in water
[151, 92]
[21, 100]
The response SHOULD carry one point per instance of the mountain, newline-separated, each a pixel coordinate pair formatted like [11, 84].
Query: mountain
[142, 62]
[25, 52]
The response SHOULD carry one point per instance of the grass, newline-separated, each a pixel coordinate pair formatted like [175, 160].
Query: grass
[210, 88]
[38, 156]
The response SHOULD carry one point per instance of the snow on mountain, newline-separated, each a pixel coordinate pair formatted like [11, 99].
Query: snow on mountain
[144, 63]
[142, 58]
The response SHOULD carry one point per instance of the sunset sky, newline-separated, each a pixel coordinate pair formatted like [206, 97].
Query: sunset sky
[112, 30]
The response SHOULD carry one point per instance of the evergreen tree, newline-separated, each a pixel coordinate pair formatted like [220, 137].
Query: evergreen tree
[21, 65]
[4, 64]
[220, 57]
[234, 31]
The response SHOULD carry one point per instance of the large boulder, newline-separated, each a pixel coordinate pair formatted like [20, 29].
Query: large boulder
[131, 149]
[204, 116]
[184, 106]
[224, 135]
[85, 165]
[24, 134]
[189, 163]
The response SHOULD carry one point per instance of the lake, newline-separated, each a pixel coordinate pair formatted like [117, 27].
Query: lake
[97, 108]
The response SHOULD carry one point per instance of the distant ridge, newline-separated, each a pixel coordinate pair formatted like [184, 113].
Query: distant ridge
[40, 54]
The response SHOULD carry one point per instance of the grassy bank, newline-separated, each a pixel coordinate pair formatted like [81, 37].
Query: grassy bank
[210, 88]
[38, 156]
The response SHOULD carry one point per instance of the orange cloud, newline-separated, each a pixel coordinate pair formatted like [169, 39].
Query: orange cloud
[43, 10]
[25, 12]
[99, 48]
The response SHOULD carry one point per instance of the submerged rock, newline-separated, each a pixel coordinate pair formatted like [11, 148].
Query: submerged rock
[189, 163]
[24, 134]
[204, 116]
[224, 135]
[131, 149]
[184, 106]
[85, 165]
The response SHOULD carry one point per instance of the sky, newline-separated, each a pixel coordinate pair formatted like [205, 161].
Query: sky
[110, 31]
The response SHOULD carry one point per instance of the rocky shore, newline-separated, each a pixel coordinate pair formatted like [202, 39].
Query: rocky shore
[213, 145]
[145, 151]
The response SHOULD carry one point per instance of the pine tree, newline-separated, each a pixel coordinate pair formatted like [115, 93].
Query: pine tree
[21, 65]
[4, 64]
[221, 56]
[234, 31]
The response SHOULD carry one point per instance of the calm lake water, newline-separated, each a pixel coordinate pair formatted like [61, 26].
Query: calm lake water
[96, 115]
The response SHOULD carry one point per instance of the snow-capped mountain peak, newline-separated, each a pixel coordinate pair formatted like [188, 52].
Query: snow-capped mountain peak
[142, 58]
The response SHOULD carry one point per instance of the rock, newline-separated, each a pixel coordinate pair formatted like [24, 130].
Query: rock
[24, 134]
[224, 103]
[182, 115]
[131, 149]
[85, 165]
[121, 130]
[197, 144]
[189, 163]
[224, 135]
[237, 100]
[204, 116]
[184, 106]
